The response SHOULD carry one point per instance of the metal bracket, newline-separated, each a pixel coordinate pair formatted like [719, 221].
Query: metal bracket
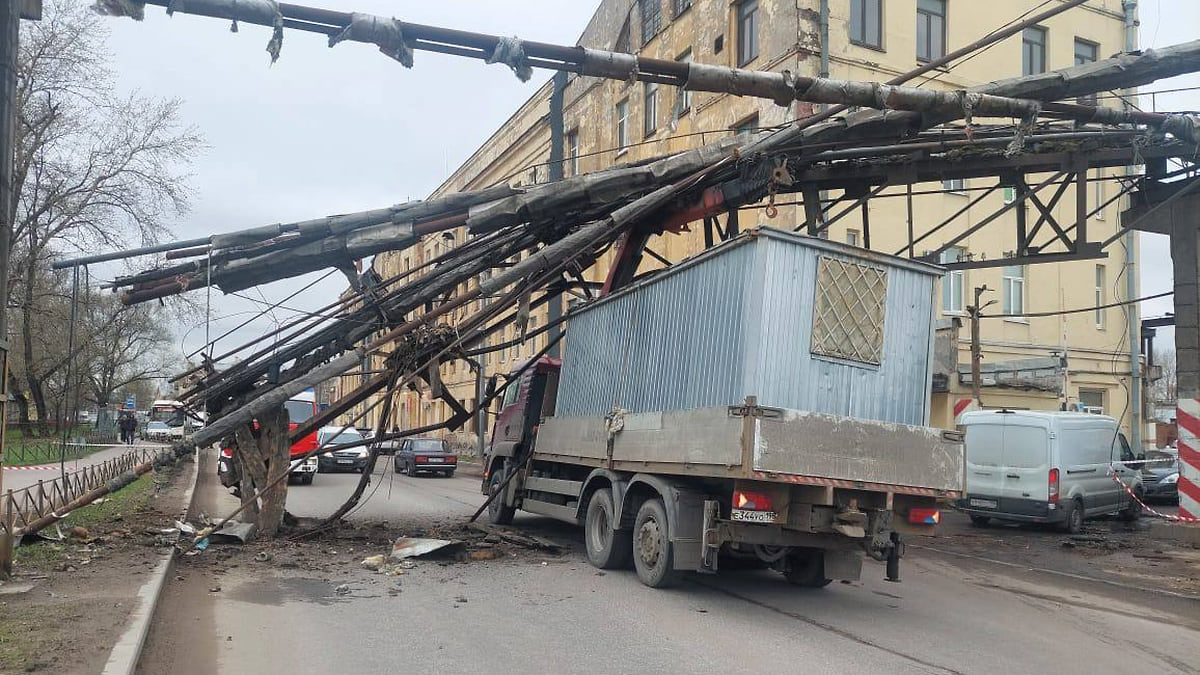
[755, 411]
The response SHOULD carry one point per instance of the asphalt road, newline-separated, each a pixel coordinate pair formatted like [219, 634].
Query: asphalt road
[540, 614]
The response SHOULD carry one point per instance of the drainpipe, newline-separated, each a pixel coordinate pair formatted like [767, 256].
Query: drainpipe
[1135, 371]
[824, 29]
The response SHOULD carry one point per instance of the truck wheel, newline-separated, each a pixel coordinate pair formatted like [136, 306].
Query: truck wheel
[498, 512]
[807, 569]
[607, 548]
[980, 521]
[653, 557]
[1074, 522]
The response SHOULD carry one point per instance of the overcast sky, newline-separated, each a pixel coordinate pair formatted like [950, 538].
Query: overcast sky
[327, 131]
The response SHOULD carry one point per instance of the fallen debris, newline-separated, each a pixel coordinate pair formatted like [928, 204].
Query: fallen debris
[373, 563]
[496, 534]
[415, 547]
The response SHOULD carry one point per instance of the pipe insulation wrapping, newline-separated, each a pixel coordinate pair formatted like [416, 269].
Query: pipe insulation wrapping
[511, 52]
[380, 31]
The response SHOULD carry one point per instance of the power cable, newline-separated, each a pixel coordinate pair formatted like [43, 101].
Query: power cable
[1078, 310]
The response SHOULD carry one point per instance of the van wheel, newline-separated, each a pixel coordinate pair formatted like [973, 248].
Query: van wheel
[498, 512]
[1074, 522]
[1133, 511]
[981, 521]
[607, 548]
[653, 554]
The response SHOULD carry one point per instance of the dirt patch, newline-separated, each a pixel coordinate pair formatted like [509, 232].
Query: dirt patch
[1131, 553]
[81, 590]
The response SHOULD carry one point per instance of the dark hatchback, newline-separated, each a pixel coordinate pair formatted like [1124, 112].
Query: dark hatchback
[432, 455]
[1160, 476]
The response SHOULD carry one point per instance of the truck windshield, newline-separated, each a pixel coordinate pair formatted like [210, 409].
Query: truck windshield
[298, 411]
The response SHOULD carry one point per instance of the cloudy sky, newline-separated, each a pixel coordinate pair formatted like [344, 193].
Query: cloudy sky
[327, 131]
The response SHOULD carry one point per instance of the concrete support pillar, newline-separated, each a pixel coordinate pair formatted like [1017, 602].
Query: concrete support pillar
[1185, 256]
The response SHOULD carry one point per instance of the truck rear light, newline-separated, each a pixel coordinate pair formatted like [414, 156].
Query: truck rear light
[924, 516]
[751, 501]
[1053, 486]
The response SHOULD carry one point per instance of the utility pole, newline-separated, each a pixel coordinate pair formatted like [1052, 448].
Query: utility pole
[974, 311]
[11, 12]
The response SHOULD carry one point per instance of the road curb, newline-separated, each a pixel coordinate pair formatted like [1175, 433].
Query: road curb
[123, 658]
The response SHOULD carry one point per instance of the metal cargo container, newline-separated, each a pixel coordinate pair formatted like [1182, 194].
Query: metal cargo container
[798, 322]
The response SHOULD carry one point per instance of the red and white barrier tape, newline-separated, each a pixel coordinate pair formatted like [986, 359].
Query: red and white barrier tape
[1134, 497]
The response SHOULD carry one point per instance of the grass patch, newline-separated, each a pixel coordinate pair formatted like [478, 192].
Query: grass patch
[116, 508]
[20, 450]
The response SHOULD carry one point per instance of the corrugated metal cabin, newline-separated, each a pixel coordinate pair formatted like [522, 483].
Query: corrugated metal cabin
[798, 322]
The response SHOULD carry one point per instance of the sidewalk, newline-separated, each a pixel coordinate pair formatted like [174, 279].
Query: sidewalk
[20, 477]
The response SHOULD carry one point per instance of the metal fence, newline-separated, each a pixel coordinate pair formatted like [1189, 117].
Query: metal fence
[48, 450]
[20, 507]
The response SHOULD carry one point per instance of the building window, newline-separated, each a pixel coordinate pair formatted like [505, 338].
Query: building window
[1092, 400]
[866, 23]
[852, 237]
[1086, 52]
[958, 185]
[931, 29]
[953, 291]
[650, 107]
[684, 102]
[573, 152]
[1101, 313]
[1033, 51]
[622, 126]
[746, 127]
[681, 6]
[651, 19]
[747, 31]
[1014, 290]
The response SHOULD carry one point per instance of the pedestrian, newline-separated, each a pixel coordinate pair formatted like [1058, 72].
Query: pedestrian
[121, 426]
[133, 423]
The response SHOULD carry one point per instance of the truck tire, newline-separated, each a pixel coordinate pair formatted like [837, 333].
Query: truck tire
[498, 512]
[806, 568]
[607, 548]
[1074, 520]
[653, 554]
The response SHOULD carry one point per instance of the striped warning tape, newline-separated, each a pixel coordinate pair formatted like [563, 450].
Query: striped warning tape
[1185, 518]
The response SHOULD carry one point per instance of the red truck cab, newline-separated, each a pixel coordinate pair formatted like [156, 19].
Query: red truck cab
[300, 408]
[526, 402]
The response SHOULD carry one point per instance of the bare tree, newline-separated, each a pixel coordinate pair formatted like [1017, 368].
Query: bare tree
[1162, 390]
[94, 168]
[127, 345]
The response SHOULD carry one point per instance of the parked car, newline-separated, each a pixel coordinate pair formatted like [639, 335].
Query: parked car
[157, 431]
[334, 459]
[432, 455]
[1047, 467]
[1160, 475]
[389, 447]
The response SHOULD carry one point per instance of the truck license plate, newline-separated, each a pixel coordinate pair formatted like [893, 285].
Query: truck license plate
[983, 503]
[753, 516]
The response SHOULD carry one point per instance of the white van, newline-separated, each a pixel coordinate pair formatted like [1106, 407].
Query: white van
[1047, 467]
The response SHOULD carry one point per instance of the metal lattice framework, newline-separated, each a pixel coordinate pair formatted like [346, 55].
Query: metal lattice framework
[849, 310]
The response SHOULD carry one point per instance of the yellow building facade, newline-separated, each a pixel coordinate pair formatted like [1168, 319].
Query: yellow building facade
[609, 122]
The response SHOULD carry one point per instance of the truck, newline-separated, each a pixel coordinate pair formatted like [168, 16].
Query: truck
[300, 408]
[764, 403]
